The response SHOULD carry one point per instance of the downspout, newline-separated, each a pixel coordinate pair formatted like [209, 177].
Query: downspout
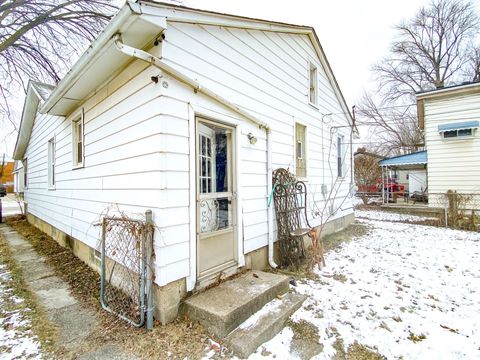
[197, 87]
[271, 261]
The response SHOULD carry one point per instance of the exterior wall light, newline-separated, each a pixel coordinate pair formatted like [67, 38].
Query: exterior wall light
[252, 139]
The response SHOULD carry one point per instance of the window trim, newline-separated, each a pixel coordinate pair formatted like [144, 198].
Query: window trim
[25, 172]
[51, 157]
[341, 154]
[313, 69]
[78, 118]
[458, 137]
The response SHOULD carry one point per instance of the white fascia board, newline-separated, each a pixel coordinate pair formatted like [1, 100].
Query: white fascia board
[29, 112]
[183, 14]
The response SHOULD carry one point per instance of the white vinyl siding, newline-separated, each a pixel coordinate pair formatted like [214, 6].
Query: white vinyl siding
[453, 163]
[136, 137]
[267, 74]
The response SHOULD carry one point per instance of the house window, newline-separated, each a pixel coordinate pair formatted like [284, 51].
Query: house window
[300, 158]
[312, 78]
[464, 129]
[340, 156]
[25, 176]
[78, 142]
[51, 163]
[457, 133]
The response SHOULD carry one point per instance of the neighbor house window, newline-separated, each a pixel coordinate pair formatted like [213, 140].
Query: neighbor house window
[457, 133]
[300, 154]
[463, 129]
[51, 163]
[340, 156]
[312, 78]
[78, 142]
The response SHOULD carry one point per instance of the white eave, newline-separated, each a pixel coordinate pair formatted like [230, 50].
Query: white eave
[36, 92]
[102, 59]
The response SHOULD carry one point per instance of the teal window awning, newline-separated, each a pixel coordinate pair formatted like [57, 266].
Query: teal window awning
[458, 126]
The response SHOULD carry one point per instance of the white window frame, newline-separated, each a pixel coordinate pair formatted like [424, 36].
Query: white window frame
[78, 138]
[312, 84]
[25, 172]
[341, 156]
[303, 154]
[51, 149]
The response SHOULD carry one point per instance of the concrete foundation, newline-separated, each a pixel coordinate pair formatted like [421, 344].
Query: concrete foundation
[167, 298]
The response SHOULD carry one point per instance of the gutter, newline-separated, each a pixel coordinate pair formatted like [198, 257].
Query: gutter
[198, 87]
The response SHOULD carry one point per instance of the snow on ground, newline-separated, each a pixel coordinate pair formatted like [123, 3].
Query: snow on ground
[16, 338]
[388, 216]
[409, 291]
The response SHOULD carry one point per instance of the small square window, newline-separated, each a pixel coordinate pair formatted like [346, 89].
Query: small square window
[465, 132]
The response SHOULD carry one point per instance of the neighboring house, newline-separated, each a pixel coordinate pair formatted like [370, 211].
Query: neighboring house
[6, 169]
[187, 113]
[450, 118]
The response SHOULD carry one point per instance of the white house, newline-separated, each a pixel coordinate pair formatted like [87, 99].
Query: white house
[182, 111]
[450, 118]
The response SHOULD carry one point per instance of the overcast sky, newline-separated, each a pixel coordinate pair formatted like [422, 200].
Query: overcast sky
[354, 33]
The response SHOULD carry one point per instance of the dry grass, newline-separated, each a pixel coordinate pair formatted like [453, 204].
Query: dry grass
[41, 326]
[177, 340]
[355, 351]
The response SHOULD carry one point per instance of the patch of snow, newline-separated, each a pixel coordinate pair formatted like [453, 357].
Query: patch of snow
[409, 291]
[272, 306]
[276, 348]
[401, 282]
[388, 216]
[16, 339]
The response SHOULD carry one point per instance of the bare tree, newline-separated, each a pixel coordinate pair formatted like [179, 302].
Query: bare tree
[39, 39]
[433, 49]
[395, 126]
[430, 50]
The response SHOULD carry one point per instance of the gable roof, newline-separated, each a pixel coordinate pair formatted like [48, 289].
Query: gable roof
[140, 24]
[36, 92]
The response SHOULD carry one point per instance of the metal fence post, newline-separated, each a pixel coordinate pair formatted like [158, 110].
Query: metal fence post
[149, 272]
[446, 216]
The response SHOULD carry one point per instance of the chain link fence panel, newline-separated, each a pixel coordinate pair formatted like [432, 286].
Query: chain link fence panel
[124, 267]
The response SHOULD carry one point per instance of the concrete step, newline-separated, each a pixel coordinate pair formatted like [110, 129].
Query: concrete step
[224, 307]
[263, 325]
